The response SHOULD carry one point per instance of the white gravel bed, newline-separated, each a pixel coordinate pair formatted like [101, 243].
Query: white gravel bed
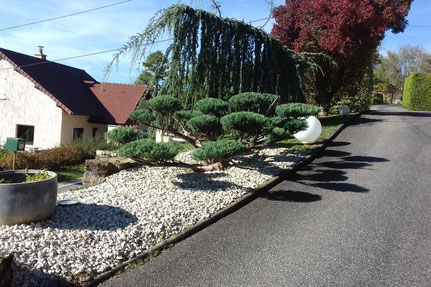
[128, 213]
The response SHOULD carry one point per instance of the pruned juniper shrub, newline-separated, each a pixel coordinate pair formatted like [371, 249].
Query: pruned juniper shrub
[247, 119]
[123, 135]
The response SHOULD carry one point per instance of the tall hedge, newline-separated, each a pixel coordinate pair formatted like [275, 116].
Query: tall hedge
[417, 92]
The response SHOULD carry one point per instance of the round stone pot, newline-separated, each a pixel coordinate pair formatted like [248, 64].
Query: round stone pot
[23, 202]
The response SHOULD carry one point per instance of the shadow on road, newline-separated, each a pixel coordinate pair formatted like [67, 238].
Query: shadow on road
[291, 196]
[406, 114]
[331, 174]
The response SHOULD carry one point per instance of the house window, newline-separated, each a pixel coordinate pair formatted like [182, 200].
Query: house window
[94, 132]
[25, 132]
[78, 133]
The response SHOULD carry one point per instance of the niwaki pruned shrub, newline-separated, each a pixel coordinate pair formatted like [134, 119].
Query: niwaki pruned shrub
[247, 120]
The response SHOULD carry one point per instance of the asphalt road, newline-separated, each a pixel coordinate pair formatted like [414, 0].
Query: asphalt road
[359, 215]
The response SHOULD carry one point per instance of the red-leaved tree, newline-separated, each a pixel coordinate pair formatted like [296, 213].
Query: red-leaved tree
[347, 30]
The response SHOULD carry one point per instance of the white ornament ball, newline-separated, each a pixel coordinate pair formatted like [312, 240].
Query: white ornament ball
[311, 133]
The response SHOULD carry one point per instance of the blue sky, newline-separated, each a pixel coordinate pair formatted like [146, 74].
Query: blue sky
[110, 28]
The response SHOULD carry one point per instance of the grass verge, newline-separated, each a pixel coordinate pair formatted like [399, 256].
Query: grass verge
[70, 172]
[329, 125]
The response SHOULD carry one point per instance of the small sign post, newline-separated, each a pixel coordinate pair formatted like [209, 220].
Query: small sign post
[14, 144]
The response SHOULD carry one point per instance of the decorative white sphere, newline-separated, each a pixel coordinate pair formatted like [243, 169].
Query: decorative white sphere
[344, 110]
[311, 133]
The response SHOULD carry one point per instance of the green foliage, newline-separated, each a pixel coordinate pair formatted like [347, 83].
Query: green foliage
[417, 92]
[150, 150]
[215, 57]
[378, 99]
[358, 96]
[164, 105]
[296, 110]
[123, 135]
[208, 126]
[3, 153]
[244, 125]
[252, 102]
[216, 151]
[89, 146]
[142, 115]
[185, 115]
[155, 70]
[50, 159]
[212, 106]
[41, 175]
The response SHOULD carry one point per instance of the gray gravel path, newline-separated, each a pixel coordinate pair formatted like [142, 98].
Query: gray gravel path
[357, 216]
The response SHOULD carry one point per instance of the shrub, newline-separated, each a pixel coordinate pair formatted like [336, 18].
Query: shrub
[49, 159]
[150, 150]
[208, 126]
[89, 146]
[218, 150]
[378, 99]
[252, 102]
[164, 105]
[212, 106]
[417, 92]
[123, 135]
[296, 110]
[244, 125]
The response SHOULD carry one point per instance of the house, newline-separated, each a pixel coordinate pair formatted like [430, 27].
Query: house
[49, 104]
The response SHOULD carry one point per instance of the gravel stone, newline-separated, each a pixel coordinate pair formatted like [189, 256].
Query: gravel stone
[128, 213]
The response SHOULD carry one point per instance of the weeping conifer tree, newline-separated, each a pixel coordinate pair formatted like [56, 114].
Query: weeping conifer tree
[218, 57]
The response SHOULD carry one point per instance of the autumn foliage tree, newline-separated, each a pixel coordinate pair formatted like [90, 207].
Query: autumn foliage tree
[349, 31]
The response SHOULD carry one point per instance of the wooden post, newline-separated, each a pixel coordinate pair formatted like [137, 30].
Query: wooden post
[13, 160]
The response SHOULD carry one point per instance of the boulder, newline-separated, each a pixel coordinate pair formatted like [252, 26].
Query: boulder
[96, 170]
[5, 269]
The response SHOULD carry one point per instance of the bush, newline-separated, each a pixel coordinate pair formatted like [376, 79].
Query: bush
[150, 150]
[47, 159]
[208, 126]
[244, 125]
[296, 110]
[417, 92]
[216, 151]
[123, 135]
[378, 99]
[89, 146]
[212, 106]
[164, 105]
[252, 102]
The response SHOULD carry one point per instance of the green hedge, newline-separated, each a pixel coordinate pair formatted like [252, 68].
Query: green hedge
[417, 92]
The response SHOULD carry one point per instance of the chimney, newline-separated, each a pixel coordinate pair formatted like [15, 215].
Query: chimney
[41, 55]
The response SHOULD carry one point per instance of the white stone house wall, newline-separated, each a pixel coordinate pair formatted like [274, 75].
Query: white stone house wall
[23, 104]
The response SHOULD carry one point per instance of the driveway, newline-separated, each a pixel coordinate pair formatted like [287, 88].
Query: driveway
[359, 215]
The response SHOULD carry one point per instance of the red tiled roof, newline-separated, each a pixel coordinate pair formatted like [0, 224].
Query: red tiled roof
[118, 99]
[69, 87]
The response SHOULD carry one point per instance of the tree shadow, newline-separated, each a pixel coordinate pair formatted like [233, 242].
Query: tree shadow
[332, 174]
[403, 113]
[336, 143]
[364, 121]
[89, 216]
[291, 196]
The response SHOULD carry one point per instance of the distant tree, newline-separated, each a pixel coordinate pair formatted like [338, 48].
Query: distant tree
[347, 30]
[155, 70]
[392, 69]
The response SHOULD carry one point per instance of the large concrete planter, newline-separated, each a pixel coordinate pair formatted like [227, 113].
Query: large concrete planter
[23, 202]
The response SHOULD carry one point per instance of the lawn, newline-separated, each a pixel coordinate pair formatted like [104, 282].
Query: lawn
[329, 125]
[70, 172]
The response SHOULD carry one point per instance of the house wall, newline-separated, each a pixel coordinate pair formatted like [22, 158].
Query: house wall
[71, 122]
[23, 104]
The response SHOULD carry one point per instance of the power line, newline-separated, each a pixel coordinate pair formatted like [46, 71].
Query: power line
[76, 57]
[419, 26]
[64, 16]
